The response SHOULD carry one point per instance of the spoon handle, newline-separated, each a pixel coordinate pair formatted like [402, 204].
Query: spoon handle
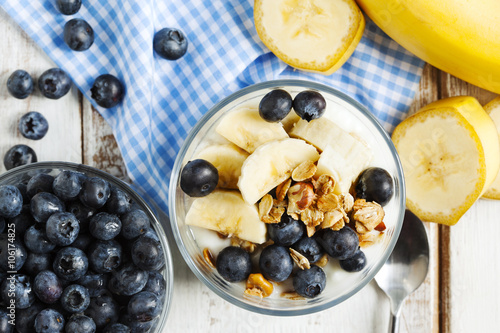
[394, 323]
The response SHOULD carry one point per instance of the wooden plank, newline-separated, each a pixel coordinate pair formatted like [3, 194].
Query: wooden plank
[420, 312]
[469, 252]
[62, 142]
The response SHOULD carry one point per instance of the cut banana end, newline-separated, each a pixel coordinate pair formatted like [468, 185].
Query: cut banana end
[271, 164]
[246, 129]
[228, 159]
[227, 213]
[493, 109]
[450, 154]
[312, 35]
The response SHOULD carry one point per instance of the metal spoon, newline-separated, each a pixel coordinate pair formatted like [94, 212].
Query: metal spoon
[407, 266]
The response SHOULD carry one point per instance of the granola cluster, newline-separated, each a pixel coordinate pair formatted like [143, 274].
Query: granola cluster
[315, 202]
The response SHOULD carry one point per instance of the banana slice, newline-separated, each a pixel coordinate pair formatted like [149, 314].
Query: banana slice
[228, 159]
[343, 168]
[270, 165]
[227, 213]
[493, 109]
[450, 155]
[246, 129]
[312, 35]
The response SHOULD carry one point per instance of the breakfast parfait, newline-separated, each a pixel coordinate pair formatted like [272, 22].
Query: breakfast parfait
[286, 193]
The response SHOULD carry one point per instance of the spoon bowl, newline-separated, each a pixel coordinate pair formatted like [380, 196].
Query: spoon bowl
[407, 266]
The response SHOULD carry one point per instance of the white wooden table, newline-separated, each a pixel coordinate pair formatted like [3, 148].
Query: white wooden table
[460, 294]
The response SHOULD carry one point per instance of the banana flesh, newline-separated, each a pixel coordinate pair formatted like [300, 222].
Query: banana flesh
[493, 110]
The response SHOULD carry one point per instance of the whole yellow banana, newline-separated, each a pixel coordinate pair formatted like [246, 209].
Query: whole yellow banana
[461, 37]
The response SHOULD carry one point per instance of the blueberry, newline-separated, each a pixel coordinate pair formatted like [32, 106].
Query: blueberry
[11, 201]
[107, 91]
[309, 248]
[17, 288]
[170, 43]
[276, 263]
[355, 263]
[340, 244]
[309, 282]
[37, 262]
[45, 204]
[155, 284]
[19, 155]
[275, 105]
[199, 178]
[309, 105]
[82, 213]
[69, 7]
[5, 326]
[103, 309]
[128, 280]
[62, 228]
[78, 34]
[25, 318]
[137, 326]
[116, 328]
[35, 239]
[287, 231]
[83, 241]
[144, 306]
[134, 224]
[75, 298]
[95, 192]
[41, 182]
[80, 323]
[9, 249]
[54, 83]
[95, 283]
[105, 256]
[23, 189]
[105, 226]
[33, 125]
[375, 184]
[68, 184]
[147, 254]
[49, 321]
[70, 263]
[47, 287]
[20, 84]
[119, 202]
[234, 264]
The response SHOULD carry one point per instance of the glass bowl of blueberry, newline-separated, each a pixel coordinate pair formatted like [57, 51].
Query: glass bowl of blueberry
[286, 198]
[80, 251]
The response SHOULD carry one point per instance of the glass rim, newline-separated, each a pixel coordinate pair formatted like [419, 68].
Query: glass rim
[129, 190]
[196, 129]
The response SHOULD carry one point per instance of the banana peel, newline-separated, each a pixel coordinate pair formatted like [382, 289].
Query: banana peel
[460, 37]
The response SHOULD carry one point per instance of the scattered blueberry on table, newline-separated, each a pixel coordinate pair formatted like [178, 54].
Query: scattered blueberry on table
[19, 155]
[170, 43]
[69, 7]
[78, 34]
[70, 279]
[33, 125]
[107, 91]
[54, 83]
[20, 84]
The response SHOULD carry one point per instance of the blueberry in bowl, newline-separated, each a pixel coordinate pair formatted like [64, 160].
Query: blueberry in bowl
[73, 259]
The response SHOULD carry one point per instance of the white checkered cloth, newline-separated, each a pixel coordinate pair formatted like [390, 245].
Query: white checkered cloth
[164, 99]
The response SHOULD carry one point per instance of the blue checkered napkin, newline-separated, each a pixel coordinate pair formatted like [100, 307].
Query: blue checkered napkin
[164, 99]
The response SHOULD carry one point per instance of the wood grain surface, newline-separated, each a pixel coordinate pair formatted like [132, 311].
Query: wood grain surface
[460, 293]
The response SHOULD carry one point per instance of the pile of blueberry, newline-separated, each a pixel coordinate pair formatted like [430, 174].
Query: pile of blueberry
[77, 255]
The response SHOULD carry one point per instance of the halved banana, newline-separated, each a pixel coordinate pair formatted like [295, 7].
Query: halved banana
[228, 159]
[450, 155]
[493, 110]
[227, 213]
[246, 129]
[271, 164]
[312, 35]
